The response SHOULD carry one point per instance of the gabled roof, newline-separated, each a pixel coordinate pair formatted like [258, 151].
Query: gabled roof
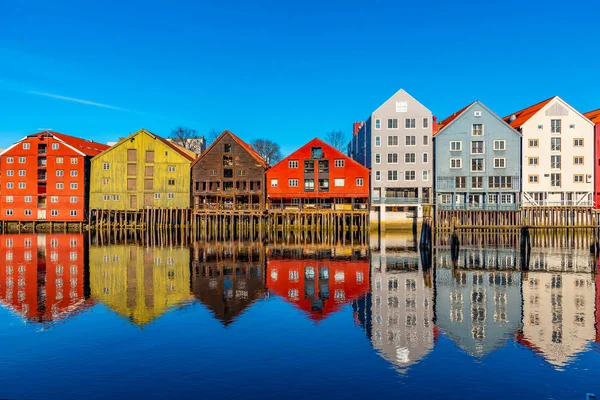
[87, 147]
[593, 116]
[451, 118]
[239, 141]
[401, 91]
[525, 114]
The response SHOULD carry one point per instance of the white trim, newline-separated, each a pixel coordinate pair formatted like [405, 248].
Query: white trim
[503, 145]
[456, 141]
[406, 162]
[455, 159]
[503, 162]
[471, 147]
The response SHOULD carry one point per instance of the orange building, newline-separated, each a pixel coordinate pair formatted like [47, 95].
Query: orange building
[318, 174]
[42, 276]
[594, 116]
[45, 177]
[319, 287]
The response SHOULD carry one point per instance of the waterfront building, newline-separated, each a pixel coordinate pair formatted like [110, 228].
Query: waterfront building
[228, 279]
[230, 175]
[395, 143]
[141, 171]
[594, 116]
[42, 276]
[140, 283]
[317, 175]
[478, 297]
[318, 282]
[46, 177]
[558, 154]
[477, 161]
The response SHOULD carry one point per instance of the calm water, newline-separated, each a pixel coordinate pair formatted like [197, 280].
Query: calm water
[81, 319]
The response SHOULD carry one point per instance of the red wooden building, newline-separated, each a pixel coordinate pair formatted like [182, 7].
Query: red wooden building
[42, 276]
[594, 116]
[318, 175]
[45, 177]
[318, 287]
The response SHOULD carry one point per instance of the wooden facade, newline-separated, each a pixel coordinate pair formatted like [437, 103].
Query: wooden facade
[229, 175]
[317, 176]
[46, 177]
[139, 172]
[594, 116]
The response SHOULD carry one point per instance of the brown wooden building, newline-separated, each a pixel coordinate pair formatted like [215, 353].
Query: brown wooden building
[229, 175]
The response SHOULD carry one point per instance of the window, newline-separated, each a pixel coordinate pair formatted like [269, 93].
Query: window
[393, 141]
[425, 140]
[500, 182]
[73, 185]
[339, 163]
[73, 213]
[377, 158]
[572, 126]
[555, 126]
[534, 143]
[377, 141]
[410, 158]
[309, 185]
[54, 199]
[73, 199]
[455, 163]
[293, 164]
[54, 213]
[54, 146]
[74, 173]
[555, 144]
[293, 182]
[105, 181]
[171, 196]
[377, 124]
[60, 172]
[425, 158]
[359, 181]
[499, 145]
[506, 198]
[425, 175]
[411, 141]
[74, 160]
[9, 212]
[10, 160]
[540, 127]
[171, 168]
[446, 198]
[22, 185]
[10, 172]
[555, 180]
[22, 172]
[410, 175]
[533, 161]
[21, 160]
[578, 160]
[477, 165]
[392, 175]
[460, 182]
[401, 106]
[534, 179]
[106, 197]
[106, 166]
[555, 162]
[28, 199]
[60, 160]
[499, 162]
[10, 185]
[577, 142]
[171, 182]
[157, 196]
[477, 147]
[578, 178]
[60, 185]
[393, 158]
[26, 146]
[455, 146]
[316, 153]
[410, 123]
[477, 130]
[377, 175]
[393, 123]
[227, 148]
[9, 199]
[477, 182]
[338, 182]
[274, 182]
[492, 198]
[425, 123]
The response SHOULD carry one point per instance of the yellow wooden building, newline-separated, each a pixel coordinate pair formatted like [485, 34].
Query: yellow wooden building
[140, 283]
[141, 171]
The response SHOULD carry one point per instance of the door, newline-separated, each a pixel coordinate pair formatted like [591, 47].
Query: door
[133, 202]
[41, 215]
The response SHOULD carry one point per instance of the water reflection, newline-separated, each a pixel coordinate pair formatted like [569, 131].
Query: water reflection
[42, 276]
[228, 278]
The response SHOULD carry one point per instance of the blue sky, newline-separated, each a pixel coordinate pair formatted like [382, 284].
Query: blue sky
[284, 70]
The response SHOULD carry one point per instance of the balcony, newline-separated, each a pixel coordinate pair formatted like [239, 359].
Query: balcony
[42, 162]
[478, 207]
[397, 200]
[41, 177]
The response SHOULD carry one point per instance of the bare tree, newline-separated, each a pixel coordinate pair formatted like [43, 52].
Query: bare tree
[337, 139]
[268, 150]
[213, 135]
[187, 138]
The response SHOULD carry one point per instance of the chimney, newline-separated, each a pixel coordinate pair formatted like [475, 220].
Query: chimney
[434, 126]
[356, 127]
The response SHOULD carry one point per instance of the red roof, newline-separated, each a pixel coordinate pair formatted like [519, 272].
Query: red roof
[593, 116]
[245, 145]
[451, 118]
[87, 147]
[525, 114]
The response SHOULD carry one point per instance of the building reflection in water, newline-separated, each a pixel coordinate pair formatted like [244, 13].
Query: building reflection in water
[42, 276]
[398, 314]
[228, 277]
[316, 279]
[559, 304]
[140, 283]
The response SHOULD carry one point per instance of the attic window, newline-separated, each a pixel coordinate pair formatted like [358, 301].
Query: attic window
[540, 127]
[572, 126]
[478, 113]
[401, 106]
[227, 148]
[316, 153]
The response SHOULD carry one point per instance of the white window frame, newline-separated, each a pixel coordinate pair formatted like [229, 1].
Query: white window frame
[377, 158]
[397, 141]
[157, 196]
[413, 123]
[473, 130]
[406, 138]
[293, 164]
[391, 155]
[425, 122]
[392, 119]
[497, 143]
[28, 199]
[502, 160]
[73, 213]
[378, 175]
[360, 182]
[377, 141]
[425, 175]
[293, 182]
[55, 146]
[339, 163]
[414, 173]
[26, 146]
[73, 185]
[482, 165]
[455, 142]
[482, 148]
[456, 161]
[408, 154]
[377, 124]
[274, 182]
[10, 160]
[392, 171]
[425, 158]
[339, 182]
